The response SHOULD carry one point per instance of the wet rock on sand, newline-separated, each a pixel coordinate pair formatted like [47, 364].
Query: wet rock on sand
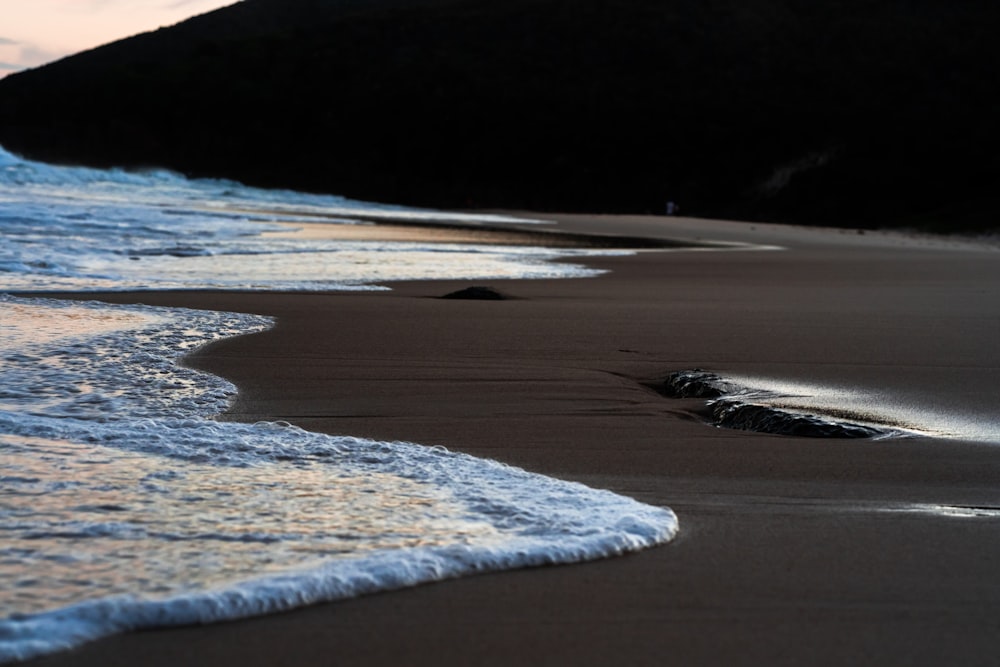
[477, 292]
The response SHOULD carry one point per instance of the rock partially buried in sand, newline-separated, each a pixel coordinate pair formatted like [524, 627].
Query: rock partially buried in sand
[477, 292]
[694, 384]
[731, 405]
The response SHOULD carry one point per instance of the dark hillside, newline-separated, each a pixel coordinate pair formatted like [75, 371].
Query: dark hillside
[846, 112]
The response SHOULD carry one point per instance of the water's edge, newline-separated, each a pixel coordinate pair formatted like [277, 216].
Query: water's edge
[507, 518]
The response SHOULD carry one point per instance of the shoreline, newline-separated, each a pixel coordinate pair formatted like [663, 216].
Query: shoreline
[791, 550]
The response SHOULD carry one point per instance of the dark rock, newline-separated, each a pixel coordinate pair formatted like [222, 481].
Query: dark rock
[478, 293]
[744, 416]
[693, 384]
[733, 406]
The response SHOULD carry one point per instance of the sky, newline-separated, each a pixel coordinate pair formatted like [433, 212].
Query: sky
[34, 32]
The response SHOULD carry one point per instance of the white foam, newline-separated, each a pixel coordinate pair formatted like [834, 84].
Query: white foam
[75, 228]
[127, 506]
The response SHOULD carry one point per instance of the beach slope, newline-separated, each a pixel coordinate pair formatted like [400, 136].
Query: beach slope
[792, 550]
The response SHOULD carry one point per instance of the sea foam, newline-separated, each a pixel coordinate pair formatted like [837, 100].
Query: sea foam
[76, 228]
[125, 505]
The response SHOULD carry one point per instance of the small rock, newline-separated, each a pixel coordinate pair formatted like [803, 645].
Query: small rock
[477, 292]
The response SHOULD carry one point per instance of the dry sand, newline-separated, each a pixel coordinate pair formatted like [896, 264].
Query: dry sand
[792, 551]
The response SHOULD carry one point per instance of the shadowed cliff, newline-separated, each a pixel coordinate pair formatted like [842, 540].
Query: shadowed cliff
[851, 113]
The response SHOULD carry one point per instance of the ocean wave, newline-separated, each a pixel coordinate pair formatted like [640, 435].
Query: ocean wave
[168, 188]
[32, 636]
[128, 506]
[79, 228]
[171, 251]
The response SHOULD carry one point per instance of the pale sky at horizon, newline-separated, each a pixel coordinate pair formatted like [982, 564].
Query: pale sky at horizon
[35, 32]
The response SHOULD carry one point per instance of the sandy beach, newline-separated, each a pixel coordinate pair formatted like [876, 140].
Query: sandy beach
[792, 550]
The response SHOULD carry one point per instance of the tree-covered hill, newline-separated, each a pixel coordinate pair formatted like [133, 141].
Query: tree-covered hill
[847, 112]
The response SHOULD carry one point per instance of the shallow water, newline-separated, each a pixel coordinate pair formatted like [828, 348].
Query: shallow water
[75, 228]
[124, 505]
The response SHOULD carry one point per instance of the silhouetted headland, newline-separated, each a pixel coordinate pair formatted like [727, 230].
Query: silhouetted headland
[852, 113]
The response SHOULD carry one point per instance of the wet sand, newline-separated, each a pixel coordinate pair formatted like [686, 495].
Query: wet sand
[792, 550]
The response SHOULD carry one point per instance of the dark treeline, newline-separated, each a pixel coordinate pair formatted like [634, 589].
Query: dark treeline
[850, 112]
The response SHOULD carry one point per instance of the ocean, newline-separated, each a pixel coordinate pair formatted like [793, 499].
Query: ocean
[124, 504]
